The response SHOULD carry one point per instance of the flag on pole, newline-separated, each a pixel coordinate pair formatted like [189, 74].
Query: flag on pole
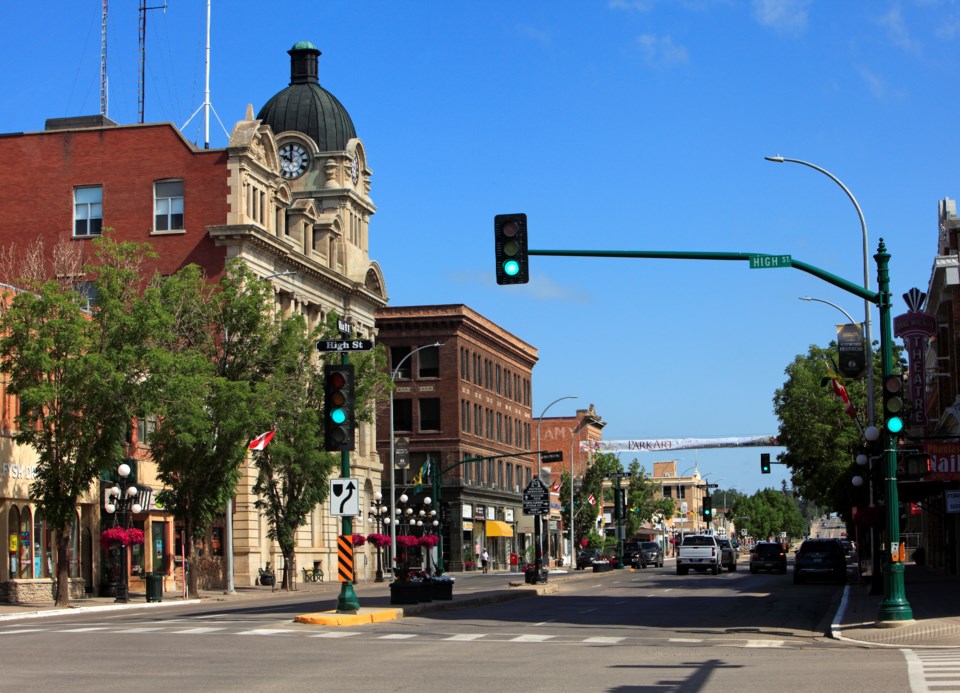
[840, 392]
[591, 500]
[261, 441]
[555, 488]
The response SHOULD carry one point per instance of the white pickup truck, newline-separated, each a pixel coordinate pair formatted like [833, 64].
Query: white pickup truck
[700, 552]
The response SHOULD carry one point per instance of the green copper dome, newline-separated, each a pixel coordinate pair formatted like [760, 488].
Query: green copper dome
[306, 107]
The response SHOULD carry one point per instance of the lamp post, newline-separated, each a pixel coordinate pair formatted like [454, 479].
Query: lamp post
[378, 515]
[538, 519]
[420, 518]
[392, 461]
[867, 338]
[573, 439]
[121, 500]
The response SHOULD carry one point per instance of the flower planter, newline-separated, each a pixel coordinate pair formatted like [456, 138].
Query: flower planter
[601, 566]
[441, 589]
[405, 592]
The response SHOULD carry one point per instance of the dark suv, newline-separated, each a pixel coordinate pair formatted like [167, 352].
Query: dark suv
[651, 554]
[767, 555]
[820, 558]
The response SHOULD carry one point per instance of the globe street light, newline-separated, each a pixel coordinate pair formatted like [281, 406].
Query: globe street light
[392, 461]
[121, 501]
[867, 338]
[378, 514]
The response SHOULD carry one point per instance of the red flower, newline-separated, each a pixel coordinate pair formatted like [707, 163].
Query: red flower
[118, 536]
[359, 540]
[429, 540]
[379, 540]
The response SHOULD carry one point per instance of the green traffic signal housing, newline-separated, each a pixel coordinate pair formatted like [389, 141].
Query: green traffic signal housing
[707, 507]
[338, 418]
[764, 462]
[893, 420]
[510, 248]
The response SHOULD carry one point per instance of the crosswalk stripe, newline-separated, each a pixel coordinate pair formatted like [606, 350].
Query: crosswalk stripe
[197, 631]
[89, 629]
[685, 640]
[604, 640]
[336, 634]
[397, 636]
[268, 631]
[466, 636]
[531, 638]
[22, 630]
[764, 643]
[145, 629]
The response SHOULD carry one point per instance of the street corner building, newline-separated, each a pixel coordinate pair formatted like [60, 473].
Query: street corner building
[289, 195]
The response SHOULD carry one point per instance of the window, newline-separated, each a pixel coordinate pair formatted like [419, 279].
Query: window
[429, 360]
[397, 354]
[499, 372]
[88, 211]
[168, 205]
[430, 414]
[146, 427]
[403, 415]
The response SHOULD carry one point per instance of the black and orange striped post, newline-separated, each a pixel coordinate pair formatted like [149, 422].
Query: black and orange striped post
[345, 558]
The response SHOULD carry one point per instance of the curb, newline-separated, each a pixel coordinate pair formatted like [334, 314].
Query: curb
[94, 608]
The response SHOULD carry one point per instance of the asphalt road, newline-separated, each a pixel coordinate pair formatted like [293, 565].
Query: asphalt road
[645, 631]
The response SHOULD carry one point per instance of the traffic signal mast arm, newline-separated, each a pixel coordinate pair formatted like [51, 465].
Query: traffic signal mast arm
[856, 289]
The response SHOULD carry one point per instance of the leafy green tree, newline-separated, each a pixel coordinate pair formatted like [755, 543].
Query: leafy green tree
[767, 513]
[204, 369]
[642, 504]
[76, 373]
[293, 470]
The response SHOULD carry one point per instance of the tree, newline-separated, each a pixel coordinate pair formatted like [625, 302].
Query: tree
[767, 513]
[293, 470]
[642, 504]
[77, 375]
[204, 369]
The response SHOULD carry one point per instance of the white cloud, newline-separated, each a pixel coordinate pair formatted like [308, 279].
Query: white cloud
[896, 28]
[540, 288]
[875, 83]
[540, 36]
[661, 51]
[785, 16]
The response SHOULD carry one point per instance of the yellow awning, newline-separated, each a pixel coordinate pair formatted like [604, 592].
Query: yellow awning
[496, 528]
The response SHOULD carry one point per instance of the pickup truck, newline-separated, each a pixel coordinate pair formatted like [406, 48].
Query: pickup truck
[700, 552]
[728, 555]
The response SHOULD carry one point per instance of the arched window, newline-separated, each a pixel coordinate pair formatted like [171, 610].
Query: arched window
[26, 544]
[13, 524]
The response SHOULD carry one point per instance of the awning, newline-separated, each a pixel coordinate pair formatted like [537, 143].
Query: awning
[496, 528]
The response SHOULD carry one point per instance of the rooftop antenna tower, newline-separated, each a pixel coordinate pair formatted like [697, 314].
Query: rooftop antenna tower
[103, 60]
[206, 105]
[143, 50]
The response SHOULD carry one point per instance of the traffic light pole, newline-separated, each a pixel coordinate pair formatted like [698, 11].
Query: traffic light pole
[347, 602]
[894, 606]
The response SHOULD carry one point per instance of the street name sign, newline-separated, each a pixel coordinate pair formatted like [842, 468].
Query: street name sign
[536, 498]
[345, 345]
[551, 456]
[770, 261]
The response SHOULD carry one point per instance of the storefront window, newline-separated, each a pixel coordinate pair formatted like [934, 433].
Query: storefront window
[13, 542]
[136, 553]
[42, 551]
[26, 544]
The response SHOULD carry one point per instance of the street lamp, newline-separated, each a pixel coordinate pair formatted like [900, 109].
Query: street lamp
[121, 501]
[868, 350]
[420, 519]
[538, 519]
[392, 461]
[573, 439]
[378, 514]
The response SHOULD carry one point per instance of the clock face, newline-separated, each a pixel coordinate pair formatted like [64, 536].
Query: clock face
[294, 160]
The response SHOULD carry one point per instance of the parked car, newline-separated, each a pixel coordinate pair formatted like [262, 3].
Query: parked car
[820, 558]
[586, 558]
[728, 555]
[651, 554]
[768, 555]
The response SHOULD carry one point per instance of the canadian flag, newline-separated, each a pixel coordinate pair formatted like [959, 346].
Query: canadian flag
[261, 441]
[555, 487]
[591, 500]
[840, 392]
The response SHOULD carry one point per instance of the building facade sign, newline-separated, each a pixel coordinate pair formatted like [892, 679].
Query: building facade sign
[916, 329]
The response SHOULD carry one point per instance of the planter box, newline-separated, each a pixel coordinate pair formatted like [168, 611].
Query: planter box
[406, 592]
[602, 567]
[441, 590]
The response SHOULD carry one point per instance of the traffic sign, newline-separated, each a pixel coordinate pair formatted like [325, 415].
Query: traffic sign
[551, 456]
[536, 498]
[770, 261]
[345, 497]
[345, 345]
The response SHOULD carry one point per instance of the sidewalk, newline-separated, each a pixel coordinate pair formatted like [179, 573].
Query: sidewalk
[932, 596]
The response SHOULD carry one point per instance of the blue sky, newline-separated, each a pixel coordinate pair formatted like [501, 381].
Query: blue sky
[621, 125]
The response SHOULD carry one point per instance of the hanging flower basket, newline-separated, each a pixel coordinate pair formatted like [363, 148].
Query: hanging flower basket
[118, 536]
[406, 541]
[359, 540]
[429, 540]
[381, 541]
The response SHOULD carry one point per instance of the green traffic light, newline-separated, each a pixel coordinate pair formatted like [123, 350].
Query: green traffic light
[895, 424]
[511, 268]
[338, 416]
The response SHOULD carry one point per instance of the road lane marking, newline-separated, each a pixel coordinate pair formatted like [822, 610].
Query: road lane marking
[269, 631]
[197, 631]
[22, 630]
[685, 640]
[336, 634]
[397, 636]
[604, 640]
[764, 643]
[144, 629]
[83, 630]
[543, 623]
[531, 638]
[466, 636]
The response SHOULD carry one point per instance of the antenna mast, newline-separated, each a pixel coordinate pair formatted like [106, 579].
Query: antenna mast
[103, 60]
[207, 106]
[142, 56]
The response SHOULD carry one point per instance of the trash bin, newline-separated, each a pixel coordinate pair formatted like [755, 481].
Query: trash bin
[154, 583]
